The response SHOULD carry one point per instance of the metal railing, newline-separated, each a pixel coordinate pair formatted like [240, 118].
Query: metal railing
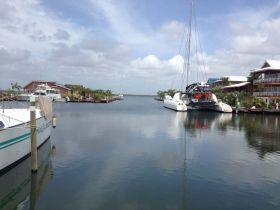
[267, 80]
[266, 94]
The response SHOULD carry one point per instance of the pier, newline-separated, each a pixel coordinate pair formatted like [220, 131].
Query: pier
[256, 111]
[105, 100]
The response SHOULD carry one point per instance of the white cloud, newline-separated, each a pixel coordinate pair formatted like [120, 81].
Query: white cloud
[173, 30]
[123, 49]
[62, 35]
[151, 66]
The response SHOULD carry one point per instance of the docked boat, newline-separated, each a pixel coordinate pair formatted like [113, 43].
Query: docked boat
[42, 90]
[23, 97]
[45, 90]
[197, 96]
[175, 103]
[15, 132]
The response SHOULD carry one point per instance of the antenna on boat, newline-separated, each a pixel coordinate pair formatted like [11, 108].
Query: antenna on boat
[189, 40]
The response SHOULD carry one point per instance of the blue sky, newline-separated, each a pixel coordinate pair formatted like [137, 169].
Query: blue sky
[133, 46]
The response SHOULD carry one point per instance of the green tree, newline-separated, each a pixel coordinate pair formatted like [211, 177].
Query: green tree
[16, 87]
[224, 81]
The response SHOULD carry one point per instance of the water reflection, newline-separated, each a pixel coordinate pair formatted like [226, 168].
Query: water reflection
[20, 188]
[197, 121]
[262, 132]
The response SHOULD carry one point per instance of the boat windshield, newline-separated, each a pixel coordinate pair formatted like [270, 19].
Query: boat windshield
[39, 94]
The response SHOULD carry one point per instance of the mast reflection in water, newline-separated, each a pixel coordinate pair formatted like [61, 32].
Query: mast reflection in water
[20, 188]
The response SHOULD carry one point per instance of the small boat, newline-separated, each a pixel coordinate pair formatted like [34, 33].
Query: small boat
[175, 103]
[15, 132]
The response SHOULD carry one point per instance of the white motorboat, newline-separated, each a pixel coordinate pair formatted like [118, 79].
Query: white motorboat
[15, 132]
[43, 90]
[175, 103]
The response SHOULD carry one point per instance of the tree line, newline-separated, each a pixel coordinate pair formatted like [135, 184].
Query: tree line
[79, 92]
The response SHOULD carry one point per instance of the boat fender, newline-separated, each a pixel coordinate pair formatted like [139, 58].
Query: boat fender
[2, 125]
[54, 121]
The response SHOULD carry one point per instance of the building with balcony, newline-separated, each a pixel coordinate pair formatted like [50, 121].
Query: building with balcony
[266, 82]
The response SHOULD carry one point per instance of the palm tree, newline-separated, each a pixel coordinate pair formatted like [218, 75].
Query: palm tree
[16, 87]
[224, 81]
[251, 79]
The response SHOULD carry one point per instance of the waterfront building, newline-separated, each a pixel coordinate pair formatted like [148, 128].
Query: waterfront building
[32, 86]
[266, 81]
[229, 80]
[243, 86]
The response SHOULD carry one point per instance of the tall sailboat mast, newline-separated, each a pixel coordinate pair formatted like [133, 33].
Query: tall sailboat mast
[189, 39]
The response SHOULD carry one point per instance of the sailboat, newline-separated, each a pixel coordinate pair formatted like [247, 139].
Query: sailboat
[197, 96]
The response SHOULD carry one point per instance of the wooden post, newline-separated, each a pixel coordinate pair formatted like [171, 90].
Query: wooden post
[34, 164]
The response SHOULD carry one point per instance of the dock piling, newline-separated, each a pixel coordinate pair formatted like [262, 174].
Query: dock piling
[34, 164]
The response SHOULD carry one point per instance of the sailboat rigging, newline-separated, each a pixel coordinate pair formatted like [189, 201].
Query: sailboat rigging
[197, 96]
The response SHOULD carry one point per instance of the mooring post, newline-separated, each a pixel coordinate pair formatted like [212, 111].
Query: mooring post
[33, 191]
[34, 164]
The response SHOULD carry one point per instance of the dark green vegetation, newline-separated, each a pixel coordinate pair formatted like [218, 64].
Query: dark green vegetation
[162, 94]
[12, 92]
[247, 100]
[79, 92]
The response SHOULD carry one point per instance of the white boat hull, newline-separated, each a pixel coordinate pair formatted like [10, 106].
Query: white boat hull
[23, 97]
[222, 107]
[175, 105]
[218, 107]
[15, 141]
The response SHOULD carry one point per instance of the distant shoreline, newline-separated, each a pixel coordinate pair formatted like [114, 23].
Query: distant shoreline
[139, 95]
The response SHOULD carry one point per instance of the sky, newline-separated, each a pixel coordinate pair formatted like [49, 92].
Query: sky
[134, 46]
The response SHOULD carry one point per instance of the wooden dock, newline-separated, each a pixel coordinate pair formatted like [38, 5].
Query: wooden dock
[107, 100]
[256, 111]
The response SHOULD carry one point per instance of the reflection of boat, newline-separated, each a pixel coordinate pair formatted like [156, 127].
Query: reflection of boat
[15, 132]
[207, 120]
[20, 187]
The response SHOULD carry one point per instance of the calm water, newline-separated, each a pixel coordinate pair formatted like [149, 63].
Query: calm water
[135, 154]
